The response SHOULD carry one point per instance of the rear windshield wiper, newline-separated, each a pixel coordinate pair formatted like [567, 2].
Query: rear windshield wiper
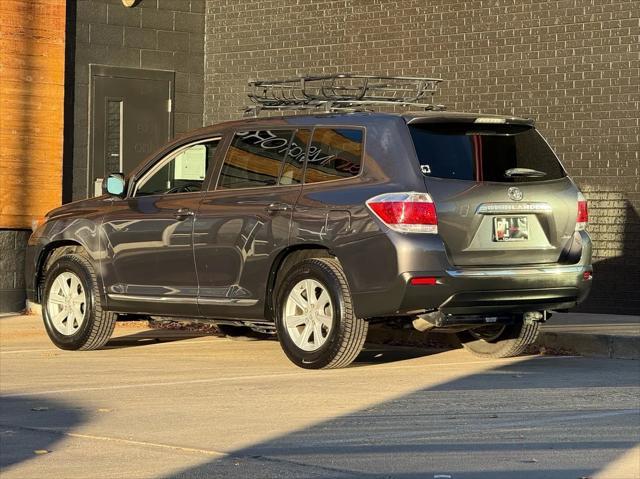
[512, 172]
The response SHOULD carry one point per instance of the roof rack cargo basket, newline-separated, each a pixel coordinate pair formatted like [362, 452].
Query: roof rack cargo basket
[342, 92]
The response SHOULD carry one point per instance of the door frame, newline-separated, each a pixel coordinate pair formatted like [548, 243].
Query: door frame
[108, 71]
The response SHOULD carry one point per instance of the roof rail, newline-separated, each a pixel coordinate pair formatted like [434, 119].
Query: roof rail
[341, 92]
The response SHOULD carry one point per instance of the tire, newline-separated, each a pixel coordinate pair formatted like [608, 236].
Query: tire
[341, 338]
[95, 326]
[510, 342]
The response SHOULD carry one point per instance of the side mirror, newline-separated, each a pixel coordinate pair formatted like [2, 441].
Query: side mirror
[115, 184]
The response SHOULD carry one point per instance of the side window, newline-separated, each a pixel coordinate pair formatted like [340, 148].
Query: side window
[334, 153]
[254, 159]
[183, 172]
[294, 162]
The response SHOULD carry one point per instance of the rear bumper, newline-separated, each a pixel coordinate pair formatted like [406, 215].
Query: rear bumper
[494, 290]
[516, 289]
[485, 290]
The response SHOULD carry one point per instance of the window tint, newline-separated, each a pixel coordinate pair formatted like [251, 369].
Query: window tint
[334, 153]
[254, 159]
[482, 154]
[183, 173]
[294, 162]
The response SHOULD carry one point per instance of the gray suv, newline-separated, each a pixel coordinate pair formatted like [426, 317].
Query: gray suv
[313, 226]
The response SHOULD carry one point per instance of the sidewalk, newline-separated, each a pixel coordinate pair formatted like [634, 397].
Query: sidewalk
[591, 335]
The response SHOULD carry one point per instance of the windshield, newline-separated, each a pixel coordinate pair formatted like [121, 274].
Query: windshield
[502, 153]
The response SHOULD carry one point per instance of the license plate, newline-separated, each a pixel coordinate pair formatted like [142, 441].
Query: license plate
[510, 228]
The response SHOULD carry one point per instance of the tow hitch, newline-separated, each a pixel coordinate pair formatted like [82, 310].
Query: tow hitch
[454, 323]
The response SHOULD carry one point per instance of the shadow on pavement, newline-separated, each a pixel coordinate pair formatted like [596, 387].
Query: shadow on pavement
[381, 354]
[152, 336]
[537, 423]
[34, 415]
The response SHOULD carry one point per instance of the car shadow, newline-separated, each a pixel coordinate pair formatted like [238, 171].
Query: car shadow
[371, 354]
[383, 354]
[150, 337]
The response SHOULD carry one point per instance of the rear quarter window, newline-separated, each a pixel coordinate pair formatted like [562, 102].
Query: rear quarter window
[499, 153]
[334, 153]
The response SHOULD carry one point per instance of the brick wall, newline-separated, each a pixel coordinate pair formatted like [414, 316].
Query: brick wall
[572, 65]
[156, 35]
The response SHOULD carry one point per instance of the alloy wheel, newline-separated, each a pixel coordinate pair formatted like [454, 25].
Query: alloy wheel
[308, 315]
[67, 303]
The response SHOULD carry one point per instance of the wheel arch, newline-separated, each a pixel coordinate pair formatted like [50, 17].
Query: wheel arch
[284, 261]
[49, 253]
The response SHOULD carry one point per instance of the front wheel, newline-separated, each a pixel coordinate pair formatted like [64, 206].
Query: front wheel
[500, 340]
[315, 321]
[71, 307]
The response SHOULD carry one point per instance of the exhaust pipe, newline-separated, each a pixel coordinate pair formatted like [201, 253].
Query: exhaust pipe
[427, 321]
[535, 316]
[422, 325]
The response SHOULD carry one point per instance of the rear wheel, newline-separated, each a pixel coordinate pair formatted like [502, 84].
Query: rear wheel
[315, 320]
[72, 311]
[500, 340]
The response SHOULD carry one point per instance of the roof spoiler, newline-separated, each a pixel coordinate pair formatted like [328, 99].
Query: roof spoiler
[473, 119]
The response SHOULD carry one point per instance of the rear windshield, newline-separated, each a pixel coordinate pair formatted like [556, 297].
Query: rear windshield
[503, 153]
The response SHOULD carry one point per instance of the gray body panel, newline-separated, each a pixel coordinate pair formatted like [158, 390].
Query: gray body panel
[218, 263]
[466, 209]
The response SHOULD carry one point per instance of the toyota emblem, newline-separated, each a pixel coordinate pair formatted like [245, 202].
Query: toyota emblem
[515, 193]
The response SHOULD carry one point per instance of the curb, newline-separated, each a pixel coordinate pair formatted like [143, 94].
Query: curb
[592, 345]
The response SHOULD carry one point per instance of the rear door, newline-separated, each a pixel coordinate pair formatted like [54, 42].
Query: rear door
[501, 194]
[244, 223]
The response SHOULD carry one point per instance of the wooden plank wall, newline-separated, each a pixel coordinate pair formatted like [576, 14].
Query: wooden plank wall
[32, 35]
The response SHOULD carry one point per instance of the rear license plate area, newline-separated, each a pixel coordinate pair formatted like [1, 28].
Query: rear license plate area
[510, 228]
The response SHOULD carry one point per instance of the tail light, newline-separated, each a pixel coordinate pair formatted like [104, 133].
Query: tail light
[410, 212]
[583, 214]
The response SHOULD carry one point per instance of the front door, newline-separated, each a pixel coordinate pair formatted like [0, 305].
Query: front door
[148, 265]
[131, 116]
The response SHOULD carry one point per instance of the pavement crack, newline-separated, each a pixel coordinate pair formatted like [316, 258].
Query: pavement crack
[277, 460]
[130, 442]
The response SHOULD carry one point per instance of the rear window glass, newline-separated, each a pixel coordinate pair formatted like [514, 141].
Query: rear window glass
[254, 159]
[501, 153]
[294, 163]
[334, 153]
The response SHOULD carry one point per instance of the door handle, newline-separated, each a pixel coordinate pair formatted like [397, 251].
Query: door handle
[275, 207]
[183, 213]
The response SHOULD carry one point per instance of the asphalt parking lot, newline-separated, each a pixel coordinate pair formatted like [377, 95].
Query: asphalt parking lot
[173, 404]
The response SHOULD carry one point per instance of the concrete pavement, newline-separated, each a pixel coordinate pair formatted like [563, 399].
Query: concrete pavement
[174, 404]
